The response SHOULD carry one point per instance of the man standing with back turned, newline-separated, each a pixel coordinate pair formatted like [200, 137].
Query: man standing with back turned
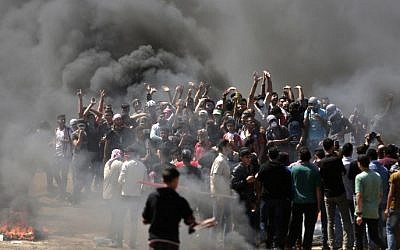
[332, 170]
[164, 210]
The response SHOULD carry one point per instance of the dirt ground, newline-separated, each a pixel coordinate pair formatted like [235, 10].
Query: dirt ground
[69, 227]
[76, 227]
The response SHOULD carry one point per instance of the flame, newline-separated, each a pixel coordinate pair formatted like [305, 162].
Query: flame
[17, 228]
[17, 232]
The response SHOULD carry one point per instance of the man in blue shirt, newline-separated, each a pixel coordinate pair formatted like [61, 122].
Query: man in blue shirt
[315, 125]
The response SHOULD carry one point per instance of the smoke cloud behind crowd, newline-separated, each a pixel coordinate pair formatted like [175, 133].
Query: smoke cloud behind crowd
[48, 49]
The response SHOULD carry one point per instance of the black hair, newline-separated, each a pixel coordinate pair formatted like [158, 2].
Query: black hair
[186, 155]
[273, 153]
[361, 149]
[170, 174]
[328, 144]
[276, 111]
[347, 149]
[320, 153]
[304, 154]
[363, 160]
[222, 144]
[283, 158]
[372, 154]
[391, 151]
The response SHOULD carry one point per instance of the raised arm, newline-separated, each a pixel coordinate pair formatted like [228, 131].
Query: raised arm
[92, 103]
[288, 93]
[301, 93]
[178, 93]
[269, 80]
[80, 105]
[250, 101]
[199, 93]
[100, 108]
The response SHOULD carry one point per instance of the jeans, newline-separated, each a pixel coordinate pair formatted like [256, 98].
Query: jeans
[61, 174]
[133, 205]
[223, 215]
[372, 232]
[324, 221]
[115, 231]
[274, 221]
[340, 202]
[310, 218]
[80, 170]
[391, 228]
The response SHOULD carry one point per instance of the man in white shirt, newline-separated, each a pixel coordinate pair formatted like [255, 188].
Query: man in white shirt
[112, 195]
[220, 175]
[63, 155]
[132, 173]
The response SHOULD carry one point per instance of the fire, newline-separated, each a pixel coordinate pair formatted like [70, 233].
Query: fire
[18, 228]
[17, 232]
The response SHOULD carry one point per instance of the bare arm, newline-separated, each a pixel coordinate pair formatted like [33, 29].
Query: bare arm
[250, 101]
[359, 206]
[92, 103]
[80, 105]
[291, 95]
[199, 105]
[178, 93]
[199, 93]
[100, 108]
[389, 199]
[301, 92]
[269, 79]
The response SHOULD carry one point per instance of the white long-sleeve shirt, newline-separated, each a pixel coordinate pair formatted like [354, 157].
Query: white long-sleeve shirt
[132, 172]
[111, 187]
[220, 175]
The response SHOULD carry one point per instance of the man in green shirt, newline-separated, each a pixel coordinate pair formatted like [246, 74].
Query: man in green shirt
[306, 198]
[368, 190]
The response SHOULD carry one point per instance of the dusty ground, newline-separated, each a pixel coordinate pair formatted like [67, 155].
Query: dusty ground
[76, 227]
[68, 227]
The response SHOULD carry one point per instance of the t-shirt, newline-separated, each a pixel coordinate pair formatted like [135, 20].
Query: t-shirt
[394, 182]
[63, 142]
[305, 180]
[164, 210]
[332, 170]
[276, 181]
[369, 184]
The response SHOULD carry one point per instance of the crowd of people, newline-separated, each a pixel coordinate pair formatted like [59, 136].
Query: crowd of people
[284, 158]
